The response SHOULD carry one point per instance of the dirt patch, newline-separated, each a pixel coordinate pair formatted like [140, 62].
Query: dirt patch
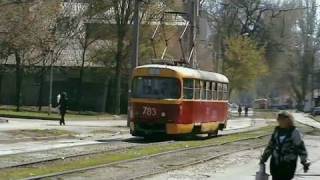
[36, 133]
[265, 114]
[127, 154]
[114, 130]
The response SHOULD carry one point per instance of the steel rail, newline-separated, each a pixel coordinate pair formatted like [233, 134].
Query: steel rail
[151, 156]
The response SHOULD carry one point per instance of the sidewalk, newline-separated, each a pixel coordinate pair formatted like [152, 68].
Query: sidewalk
[314, 155]
[304, 119]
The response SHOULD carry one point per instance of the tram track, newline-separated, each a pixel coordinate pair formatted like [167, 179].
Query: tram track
[166, 168]
[123, 169]
[116, 142]
[108, 145]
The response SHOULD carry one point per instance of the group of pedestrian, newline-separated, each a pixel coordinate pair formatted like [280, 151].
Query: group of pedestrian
[246, 110]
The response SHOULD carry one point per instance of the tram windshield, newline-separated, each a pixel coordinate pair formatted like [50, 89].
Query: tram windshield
[156, 88]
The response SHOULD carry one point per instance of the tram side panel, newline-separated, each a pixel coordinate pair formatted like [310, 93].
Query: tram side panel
[208, 115]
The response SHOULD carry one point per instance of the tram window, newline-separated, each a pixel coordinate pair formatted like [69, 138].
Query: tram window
[225, 91]
[214, 91]
[188, 88]
[197, 89]
[220, 91]
[203, 90]
[156, 88]
[208, 90]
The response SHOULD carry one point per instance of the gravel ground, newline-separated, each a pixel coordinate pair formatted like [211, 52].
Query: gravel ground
[30, 152]
[241, 165]
[161, 163]
[61, 153]
[241, 161]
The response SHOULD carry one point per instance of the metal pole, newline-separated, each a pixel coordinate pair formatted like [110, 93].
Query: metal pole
[312, 79]
[136, 35]
[135, 52]
[193, 15]
[51, 84]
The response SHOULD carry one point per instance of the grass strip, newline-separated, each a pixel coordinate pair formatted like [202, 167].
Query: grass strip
[126, 154]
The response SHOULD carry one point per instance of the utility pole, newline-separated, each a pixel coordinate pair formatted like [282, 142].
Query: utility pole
[135, 52]
[193, 18]
[51, 82]
[136, 35]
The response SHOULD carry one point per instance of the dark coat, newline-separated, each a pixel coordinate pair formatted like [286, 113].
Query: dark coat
[63, 104]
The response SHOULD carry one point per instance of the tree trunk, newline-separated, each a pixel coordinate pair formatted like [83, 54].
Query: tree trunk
[41, 87]
[118, 74]
[105, 95]
[81, 76]
[19, 76]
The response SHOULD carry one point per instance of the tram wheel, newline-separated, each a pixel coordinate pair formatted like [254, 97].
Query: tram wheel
[213, 134]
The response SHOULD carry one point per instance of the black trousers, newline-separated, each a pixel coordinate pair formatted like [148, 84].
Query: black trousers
[280, 178]
[283, 171]
[62, 121]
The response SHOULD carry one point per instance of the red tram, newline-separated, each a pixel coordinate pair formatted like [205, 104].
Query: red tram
[177, 100]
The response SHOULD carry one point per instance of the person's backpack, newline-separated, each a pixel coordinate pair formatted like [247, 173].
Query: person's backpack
[58, 98]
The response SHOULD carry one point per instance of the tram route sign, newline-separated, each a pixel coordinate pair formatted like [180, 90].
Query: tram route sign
[149, 111]
[154, 71]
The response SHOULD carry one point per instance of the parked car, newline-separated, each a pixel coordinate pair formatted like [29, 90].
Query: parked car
[315, 111]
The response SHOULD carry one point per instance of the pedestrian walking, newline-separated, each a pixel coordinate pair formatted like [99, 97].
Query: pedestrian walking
[246, 110]
[284, 147]
[239, 110]
[62, 104]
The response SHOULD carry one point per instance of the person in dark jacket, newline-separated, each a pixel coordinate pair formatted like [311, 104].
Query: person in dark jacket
[63, 101]
[246, 110]
[239, 110]
[284, 147]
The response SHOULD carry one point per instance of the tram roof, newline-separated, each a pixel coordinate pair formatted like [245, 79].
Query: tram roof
[190, 73]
